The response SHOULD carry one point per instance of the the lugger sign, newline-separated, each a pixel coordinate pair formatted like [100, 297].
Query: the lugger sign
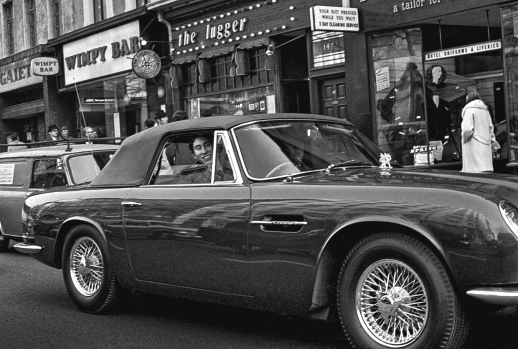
[101, 54]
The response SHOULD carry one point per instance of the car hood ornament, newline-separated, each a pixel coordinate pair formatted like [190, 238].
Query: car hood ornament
[385, 161]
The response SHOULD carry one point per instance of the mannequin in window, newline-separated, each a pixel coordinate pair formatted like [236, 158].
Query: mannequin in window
[439, 116]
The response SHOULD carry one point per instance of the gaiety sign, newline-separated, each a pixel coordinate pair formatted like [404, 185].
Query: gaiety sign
[101, 54]
[17, 75]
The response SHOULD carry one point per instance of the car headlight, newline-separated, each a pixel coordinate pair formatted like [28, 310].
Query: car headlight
[510, 214]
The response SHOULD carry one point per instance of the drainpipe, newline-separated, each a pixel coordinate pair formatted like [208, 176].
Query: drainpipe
[162, 20]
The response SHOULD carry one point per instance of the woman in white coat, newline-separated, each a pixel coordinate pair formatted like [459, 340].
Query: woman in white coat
[478, 137]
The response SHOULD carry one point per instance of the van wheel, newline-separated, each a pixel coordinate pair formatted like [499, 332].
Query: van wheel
[87, 271]
[393, 292]
[4, 243]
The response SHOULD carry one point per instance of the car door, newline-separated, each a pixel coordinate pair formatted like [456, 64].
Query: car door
[190, 234]
[14, 181]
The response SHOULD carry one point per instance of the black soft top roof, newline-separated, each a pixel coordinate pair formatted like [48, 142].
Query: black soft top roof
[131, 162]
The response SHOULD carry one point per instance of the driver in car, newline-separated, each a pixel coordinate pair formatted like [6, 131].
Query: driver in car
[202, 150]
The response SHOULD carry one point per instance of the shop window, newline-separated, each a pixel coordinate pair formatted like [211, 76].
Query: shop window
[399, 95]
[9, 30]
[223, 91]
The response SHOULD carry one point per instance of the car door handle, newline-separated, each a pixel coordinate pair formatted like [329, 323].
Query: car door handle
[130, 204]
[279, 222]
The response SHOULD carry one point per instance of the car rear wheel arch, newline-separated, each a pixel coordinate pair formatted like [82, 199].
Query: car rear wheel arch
[342, 242]
[65, 228]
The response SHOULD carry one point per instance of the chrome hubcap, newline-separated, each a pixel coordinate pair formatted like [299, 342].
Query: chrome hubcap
[86, 267]
[391, 303]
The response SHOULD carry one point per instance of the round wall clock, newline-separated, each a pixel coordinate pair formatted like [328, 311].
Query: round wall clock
[146, 64]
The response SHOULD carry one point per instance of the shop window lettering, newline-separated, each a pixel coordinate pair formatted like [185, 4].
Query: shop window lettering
[225, 30]
[219, 32]
[15, 74]
[90, 57]
[414, 4]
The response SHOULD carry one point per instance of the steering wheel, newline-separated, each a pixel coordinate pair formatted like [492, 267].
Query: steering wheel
[282, 169]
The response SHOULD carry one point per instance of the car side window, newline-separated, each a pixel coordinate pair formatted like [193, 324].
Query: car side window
[48, 173]
[194, 159]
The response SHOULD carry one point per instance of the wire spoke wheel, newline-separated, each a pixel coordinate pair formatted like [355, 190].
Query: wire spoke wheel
[391, 303]
[86, 267]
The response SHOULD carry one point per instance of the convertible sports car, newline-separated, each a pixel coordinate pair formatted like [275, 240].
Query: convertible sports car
[290, 213]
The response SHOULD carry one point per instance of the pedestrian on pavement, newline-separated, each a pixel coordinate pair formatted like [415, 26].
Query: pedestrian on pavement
[180, 115]
[15, 139]
[161, 117]
[478, 138]
[53, 132]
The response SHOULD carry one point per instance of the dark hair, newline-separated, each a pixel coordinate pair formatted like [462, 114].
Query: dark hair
[53, 127]
[205, 113]
[149, 123]
[191, 143]
[160, 114]
[14, 136]
[429, 75]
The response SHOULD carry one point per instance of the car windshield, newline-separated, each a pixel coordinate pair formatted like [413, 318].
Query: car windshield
[84, 167]
[272, 149]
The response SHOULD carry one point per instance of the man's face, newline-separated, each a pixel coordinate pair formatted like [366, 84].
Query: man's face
[54, 133]
[89, 132]
[163, 120]
[64, 133]
[202, 150]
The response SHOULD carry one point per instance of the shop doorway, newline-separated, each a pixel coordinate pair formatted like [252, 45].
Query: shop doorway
[333, 98]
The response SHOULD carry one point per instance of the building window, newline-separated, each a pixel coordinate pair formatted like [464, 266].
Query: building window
[223, 91]
[57, 17]
[399, 95]
[31, 7]
[9, 30]
[98, 10]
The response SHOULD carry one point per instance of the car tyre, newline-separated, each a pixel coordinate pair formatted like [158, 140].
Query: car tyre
[4, 244]
[393, 292]
[87, 270]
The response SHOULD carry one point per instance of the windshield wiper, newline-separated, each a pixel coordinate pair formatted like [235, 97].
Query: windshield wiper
[347, 163]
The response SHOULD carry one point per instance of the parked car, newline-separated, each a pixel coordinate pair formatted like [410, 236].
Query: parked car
[25, 171]
[296, 214]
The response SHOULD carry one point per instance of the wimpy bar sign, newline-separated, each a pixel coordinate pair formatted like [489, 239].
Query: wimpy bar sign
[464, 50]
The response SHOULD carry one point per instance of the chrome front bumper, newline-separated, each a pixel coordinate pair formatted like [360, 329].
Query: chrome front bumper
[27, 248]
[494, 295]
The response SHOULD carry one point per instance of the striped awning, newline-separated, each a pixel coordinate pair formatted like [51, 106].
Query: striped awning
[254, 43]
[184, 59]
[217, 51]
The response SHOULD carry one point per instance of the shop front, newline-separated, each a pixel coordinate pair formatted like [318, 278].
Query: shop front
[22, 101]
[423, 57]
[102, 74]
[243, 57]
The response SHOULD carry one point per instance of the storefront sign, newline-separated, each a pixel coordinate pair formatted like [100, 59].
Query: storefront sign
[333, 18]
[101, 54]
[6, 173]
[464, 50]
[382, 78]
[239, 24]
[17, 75]
[43, 66]
[328, 48]
[98, 100]
[146, 64]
